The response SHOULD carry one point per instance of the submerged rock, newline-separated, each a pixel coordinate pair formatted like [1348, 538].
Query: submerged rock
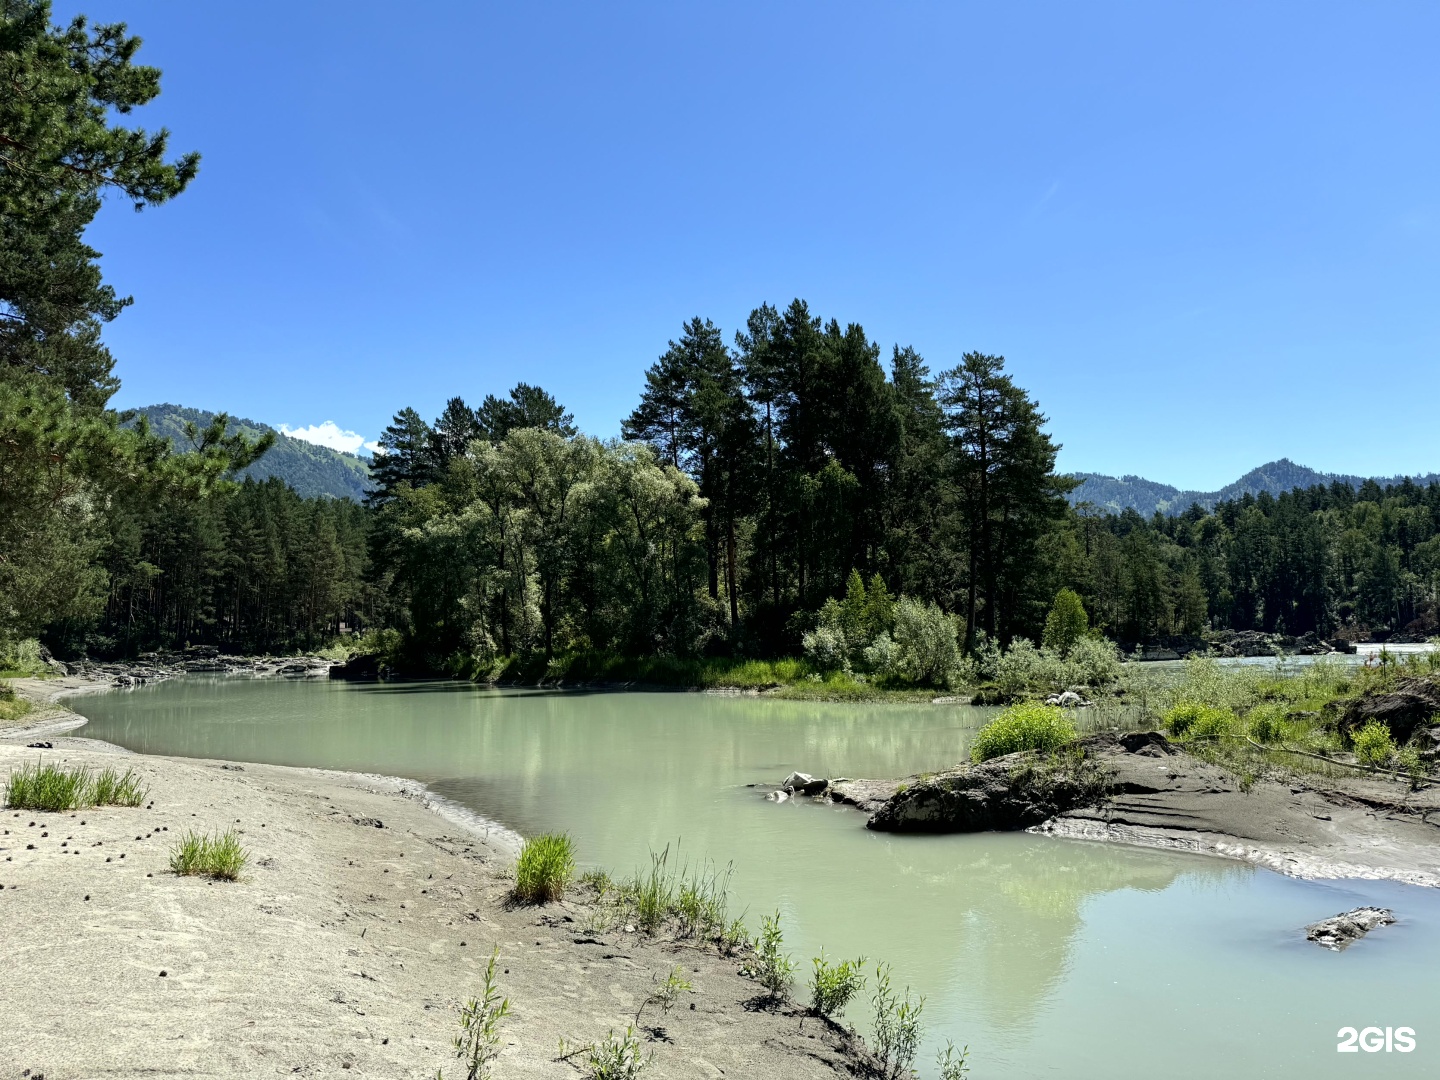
[1068, 700]
[1348, 927]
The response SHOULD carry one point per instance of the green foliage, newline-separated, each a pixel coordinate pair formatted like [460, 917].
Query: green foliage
[1192, 720]
[1027, 726]
[619, 1057]
[1067, 622]
[478, 1044]
[21, 659]
[220, 856]
[1373, 744]
[50, 787]
[693, 901]
[12, 707]
[951, 1066]
[1266, 723]
[897, 1026]
[925, 640]
[668, 992]
[772, 967]
[832, 986]
[545, 868]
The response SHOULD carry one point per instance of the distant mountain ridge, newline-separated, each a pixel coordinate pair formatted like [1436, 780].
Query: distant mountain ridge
[310, 469]
[1145, 497]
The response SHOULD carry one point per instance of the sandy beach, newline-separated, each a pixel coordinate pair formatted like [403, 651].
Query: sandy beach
[365, 917]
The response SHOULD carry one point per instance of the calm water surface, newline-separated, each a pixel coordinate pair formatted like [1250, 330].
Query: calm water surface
[1050, 958]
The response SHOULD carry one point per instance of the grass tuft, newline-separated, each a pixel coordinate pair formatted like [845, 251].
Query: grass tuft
[1029, 726]
[52, 788]
[545, 868]
[209, 856]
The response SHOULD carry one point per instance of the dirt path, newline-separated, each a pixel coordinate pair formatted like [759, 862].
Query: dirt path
[343, 951]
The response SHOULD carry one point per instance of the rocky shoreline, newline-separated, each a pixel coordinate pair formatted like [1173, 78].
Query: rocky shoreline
[1142, 790]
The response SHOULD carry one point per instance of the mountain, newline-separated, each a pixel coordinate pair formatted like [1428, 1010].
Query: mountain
[1146, 496]
[309, 469]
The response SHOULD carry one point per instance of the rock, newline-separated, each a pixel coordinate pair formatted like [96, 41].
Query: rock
[363, 666]
[1011, 792]
[1068, 700]
[799, 783]
[1343, 645]
[1250, 643]
[1348, 927]
[1403, 709]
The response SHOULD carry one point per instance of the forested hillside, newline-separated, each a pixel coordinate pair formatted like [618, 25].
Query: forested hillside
[1147, 497]
[309, 469]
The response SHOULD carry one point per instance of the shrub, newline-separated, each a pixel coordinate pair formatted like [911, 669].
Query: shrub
[1373, 744]
[617, 1058]
[1267, 723]
[545, 868]
[478, 1043]
[216, 857]
[1066, 624]
[1020, 668]
[1190, 720]
[774, 969]
[826, 648]
[12, 708]
[950, 1066]
[833, 985]
[897, 1026]
[1029, 726]
[1095, 661]
[882, 656]
[926, 637]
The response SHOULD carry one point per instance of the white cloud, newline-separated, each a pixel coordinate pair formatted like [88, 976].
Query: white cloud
[332, 435]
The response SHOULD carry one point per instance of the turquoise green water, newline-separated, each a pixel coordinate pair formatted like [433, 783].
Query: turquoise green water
[1050, 958]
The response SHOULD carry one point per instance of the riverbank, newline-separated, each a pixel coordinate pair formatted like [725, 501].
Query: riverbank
[1156, 795]
[363, 920]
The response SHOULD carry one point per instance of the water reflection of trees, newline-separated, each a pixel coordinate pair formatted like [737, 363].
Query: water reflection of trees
[1001, 914]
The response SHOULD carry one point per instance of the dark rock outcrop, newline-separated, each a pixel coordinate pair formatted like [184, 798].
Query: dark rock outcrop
[1348, 927]
[1010, 792]
[1408, 706]
[357, 667]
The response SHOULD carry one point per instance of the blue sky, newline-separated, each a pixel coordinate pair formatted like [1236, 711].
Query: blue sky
[1204, 235]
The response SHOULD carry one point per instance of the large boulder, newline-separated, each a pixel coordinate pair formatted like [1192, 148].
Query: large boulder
[1409, 705]
[1010, 792]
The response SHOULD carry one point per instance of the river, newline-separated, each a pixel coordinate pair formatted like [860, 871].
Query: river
[1049, 958]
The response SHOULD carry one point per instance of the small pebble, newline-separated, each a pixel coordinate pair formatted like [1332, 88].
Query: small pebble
[162, 973]
[87, 896]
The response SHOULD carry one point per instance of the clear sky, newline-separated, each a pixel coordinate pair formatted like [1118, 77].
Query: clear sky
[1204, 235]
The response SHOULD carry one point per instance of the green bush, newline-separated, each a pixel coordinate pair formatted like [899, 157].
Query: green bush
[1192, 720]
[1029, 726]
[545, 868]
[1267, 723]
[218, 856]
[774, 968]
[1373, 744]
[926, 641]
[833, 985]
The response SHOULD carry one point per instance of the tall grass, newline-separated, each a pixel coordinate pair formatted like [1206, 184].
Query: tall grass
[49, 787]
[219, 856]
[1029, 726]
[671, 895]
[545, 868]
